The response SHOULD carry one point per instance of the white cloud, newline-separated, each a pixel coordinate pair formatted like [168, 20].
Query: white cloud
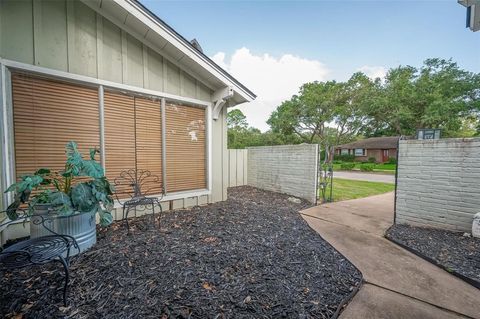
[373, 72]
[273, 79]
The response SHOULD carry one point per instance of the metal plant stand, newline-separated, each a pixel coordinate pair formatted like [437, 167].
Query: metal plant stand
[130, 192]
[325, 175]
[39, 251]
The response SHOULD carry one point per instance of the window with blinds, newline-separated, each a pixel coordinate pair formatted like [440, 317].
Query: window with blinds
[148, 132]
[47, 114]
[185, 148]
[133, 138]
[119, 119]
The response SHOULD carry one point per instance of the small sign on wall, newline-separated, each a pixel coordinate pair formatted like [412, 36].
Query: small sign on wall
[428, 134]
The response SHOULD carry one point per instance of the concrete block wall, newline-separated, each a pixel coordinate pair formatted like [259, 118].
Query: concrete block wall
[438, 183]
[289, 169]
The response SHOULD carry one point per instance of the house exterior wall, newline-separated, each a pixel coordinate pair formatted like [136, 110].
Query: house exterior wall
[437, 184]
[71, 37]
[377, 153]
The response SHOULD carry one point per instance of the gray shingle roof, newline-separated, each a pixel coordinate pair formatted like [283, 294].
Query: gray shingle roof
[373, 143]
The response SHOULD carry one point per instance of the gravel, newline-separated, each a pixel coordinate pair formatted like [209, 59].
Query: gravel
[252, 256]
[451, 250]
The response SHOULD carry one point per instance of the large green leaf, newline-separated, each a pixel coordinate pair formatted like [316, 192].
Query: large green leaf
[28, 182]
[42, 171]
[106, 218]
[12, 210]
[93, 152]
[91, 168]
[74, 159]
[102, 190]
[82, 198]
[61, 203]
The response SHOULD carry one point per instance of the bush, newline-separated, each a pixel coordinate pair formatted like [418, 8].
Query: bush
[347, 166]
[345, 157]
[367, 167]
[372, 159]
[392, 160]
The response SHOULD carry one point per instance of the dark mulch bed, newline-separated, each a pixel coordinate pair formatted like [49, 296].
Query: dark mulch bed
[252, 256]
[450, 250]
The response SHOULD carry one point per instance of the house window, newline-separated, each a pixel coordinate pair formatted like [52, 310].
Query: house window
[359, 152]
[46, 115]
[344, 151]
[133, 137]
[133, 132]
[185, 147]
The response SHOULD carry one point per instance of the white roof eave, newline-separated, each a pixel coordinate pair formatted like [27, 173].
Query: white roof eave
[210, 69]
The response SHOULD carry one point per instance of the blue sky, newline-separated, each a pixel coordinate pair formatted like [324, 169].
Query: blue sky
[338, 37]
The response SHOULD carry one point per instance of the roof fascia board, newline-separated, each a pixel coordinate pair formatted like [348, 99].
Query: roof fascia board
[138, 12]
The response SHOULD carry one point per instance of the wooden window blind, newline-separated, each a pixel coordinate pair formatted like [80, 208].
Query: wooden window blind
[185, 148]
[47, 114]
[148, 131]
[119, 119]
[133, 139]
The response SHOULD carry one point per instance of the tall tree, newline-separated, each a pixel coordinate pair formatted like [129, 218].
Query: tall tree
[438, 95]
[352, 102]
[308, 113]
[236, 120]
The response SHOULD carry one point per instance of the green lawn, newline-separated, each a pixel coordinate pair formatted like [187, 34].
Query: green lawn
[384, 168]
[344, 189]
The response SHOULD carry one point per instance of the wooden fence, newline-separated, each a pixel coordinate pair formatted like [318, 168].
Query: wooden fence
[237, 167]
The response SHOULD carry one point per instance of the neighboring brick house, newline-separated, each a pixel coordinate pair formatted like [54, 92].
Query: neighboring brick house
[382, 148]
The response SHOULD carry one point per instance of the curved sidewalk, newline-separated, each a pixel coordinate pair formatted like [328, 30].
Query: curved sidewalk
[397, 283]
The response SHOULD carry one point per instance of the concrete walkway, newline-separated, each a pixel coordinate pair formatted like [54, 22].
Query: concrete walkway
[398, 284]
[360, 176]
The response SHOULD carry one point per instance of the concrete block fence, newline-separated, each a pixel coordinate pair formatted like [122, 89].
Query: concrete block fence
[438, 183]
[290, 169]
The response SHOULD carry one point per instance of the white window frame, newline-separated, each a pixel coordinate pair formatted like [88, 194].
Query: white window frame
[6, 119]
[364, 152]
[344, 151]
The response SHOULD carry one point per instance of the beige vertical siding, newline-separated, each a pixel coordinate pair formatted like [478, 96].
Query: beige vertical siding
[219, 159]
[69, 36]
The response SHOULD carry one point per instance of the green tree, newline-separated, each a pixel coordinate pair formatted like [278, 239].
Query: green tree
[307, 114]
[331, 112]
[352, 102]
[236, 120]
[438, 95]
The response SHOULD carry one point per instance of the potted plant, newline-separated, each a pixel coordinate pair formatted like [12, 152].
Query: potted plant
[70, 198]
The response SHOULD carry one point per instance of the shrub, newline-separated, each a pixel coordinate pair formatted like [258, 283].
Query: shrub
[347, 166]
[372, 159]
[367, 167]
[392, 160]
[345, 157]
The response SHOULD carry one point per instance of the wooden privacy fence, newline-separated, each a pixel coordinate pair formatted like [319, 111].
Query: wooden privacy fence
[237, 167]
